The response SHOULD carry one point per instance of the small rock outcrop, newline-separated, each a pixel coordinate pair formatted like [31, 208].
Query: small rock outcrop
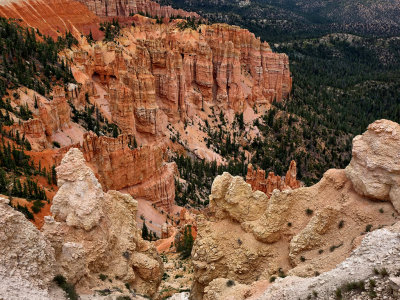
[256, 178]
[95, 233]
[26, 257]
[374, 169]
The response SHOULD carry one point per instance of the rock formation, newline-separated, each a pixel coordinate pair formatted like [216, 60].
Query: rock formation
[159, 73]
[301, 232]
[26, 257]
[114, 8]
[95, 233]
[256, 178]
[141, 172]
[375, 165]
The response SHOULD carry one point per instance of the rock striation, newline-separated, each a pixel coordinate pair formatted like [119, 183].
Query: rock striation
[95, 233]
[256, 178]
[301, 232]
[51, 17]
[115, 8]
[374, 168]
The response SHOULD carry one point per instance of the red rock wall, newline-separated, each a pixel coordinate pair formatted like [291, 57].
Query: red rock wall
[123, 8]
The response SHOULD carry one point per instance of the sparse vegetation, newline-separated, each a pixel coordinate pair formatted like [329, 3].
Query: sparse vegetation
[68, 288]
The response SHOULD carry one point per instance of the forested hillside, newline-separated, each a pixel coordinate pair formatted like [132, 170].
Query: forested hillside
[282, 20]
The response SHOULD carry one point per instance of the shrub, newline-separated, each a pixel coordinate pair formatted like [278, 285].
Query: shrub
[381, 210]
[56, 144]
[302, 258]
[309, 212]
[289, 224]
[384, 272]
[230, 283]
[338, 294]
[272, 278]
[320, 251]
[102, 277]
[68, 288]
[368, 228]
[355, 285]
[341, 224]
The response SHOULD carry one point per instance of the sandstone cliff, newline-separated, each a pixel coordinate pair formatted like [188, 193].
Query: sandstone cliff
[95, 233]
[302, 232]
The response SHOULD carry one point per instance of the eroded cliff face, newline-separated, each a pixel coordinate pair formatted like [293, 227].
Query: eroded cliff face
[302, 232]
[118, 8]
[95, 233]
[159, 74]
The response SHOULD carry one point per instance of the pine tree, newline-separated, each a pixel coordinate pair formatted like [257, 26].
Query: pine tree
[145, 231]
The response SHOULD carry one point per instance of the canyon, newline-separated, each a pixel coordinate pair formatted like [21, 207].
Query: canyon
[113, 142]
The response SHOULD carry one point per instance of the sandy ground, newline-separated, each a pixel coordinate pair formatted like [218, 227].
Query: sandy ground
[154, 218]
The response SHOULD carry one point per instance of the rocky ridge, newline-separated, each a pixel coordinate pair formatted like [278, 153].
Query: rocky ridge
[302, 232]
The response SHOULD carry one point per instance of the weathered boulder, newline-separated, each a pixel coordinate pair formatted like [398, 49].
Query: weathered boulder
[374, 169]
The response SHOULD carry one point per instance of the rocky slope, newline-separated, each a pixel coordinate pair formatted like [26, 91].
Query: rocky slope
[52, 17]
[301, 232]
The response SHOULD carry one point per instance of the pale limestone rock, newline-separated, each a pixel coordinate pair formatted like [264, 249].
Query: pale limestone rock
[375, 166]
[234, 197]
[78, 199]
[26, 257]
[244, 244]
[379, 249]
[101, 239]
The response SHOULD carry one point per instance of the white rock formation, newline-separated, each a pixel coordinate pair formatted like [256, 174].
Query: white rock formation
[26, 257]
[375, 165]
[96, 233]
